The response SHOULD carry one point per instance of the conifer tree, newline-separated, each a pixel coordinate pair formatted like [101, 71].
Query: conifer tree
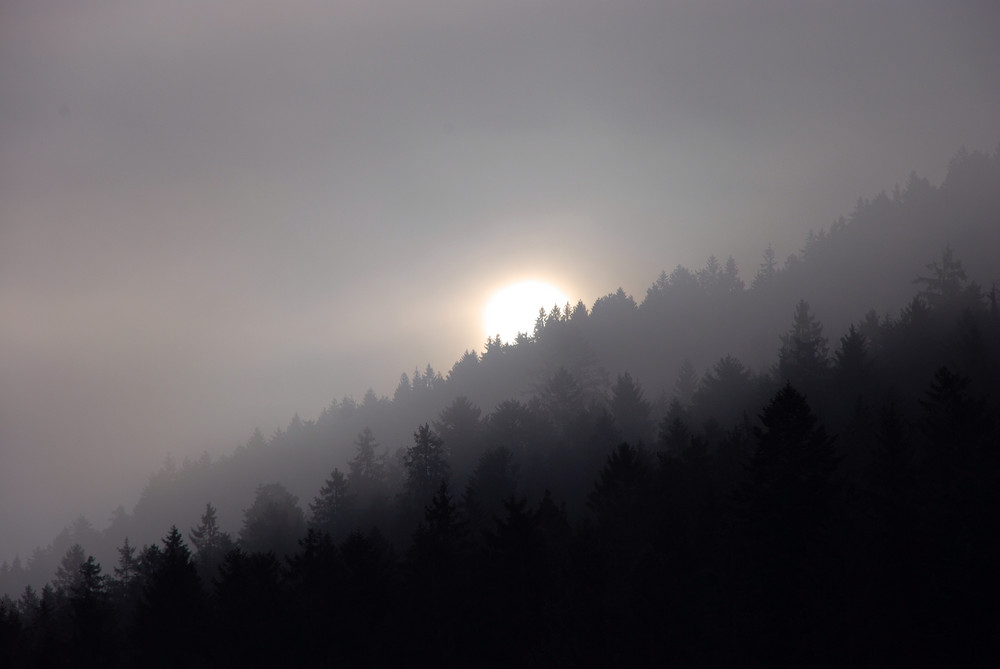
[334, 506]
[426, 466]
[274, 522]
[211, 544]
[631, 410]
[367, 468]
[171, 616]
[803, 359]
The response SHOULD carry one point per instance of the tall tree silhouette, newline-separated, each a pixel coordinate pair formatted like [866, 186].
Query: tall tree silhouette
[803, 359]
[274, 522]
[426, 466]
[210, 543]
[367, 475]
[631, 410]
[170, 621]
[334, 506]
[787, 506]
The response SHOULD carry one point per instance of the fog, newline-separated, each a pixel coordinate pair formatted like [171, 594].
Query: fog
[215, 217]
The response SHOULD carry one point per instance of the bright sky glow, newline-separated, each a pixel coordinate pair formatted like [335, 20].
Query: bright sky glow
[515, 308]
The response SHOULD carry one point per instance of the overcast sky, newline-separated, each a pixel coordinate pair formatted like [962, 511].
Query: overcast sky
[216, 214]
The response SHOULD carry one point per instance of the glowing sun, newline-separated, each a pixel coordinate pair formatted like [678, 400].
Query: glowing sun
[515, 308]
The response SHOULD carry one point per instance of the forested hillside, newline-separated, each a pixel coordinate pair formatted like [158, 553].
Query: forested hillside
[801, 466]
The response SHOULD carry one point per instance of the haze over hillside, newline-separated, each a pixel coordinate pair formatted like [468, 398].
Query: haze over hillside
[690, 321]
[214, 219]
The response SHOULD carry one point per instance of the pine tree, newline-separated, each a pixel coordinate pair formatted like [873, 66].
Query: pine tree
[207, 535]
[946, 282]
[493, 480]
[803, 359]
[171, 616]
[127, 568]
[91, 616]
[426, 466]
[790, 490]
[686, 384]
[367, 475]
[674, 433]
[211, 544]
[68, 573]
[333, 509]
[274, 522]
[767, 271]
[631, 411]
[620, 498]
[786, 510]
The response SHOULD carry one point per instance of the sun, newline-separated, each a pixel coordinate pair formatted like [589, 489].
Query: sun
[515, 308]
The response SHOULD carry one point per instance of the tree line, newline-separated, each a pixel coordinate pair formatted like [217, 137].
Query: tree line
[836, 508]
[648, 482]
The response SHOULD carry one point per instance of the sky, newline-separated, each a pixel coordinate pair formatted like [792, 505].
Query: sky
[215, 215]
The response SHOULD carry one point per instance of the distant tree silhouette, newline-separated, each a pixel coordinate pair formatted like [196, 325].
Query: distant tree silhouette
[853, 379]
[562, 399]
[368, 594]
[210, 543]
[630, 410]
[674, 431]
[315, 579]
[126, 570]
[494, 479]
[251, 619]
[274, 522]
[953, 421]
[946, 282]
[518, 574]
[68, 574]
[803, 359]
[436, 560]
[367, 475]
[170, 621]
[686, 384]
[334, 507]
[426, 466]
[767, 271]
[459, 426]
[852, 363]
[724, 392]
[92, 642]
[787, 506]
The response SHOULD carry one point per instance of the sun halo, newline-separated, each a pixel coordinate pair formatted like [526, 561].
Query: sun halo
[514, 309]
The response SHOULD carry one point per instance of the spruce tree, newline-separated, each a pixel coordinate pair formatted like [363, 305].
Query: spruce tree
[426, 466]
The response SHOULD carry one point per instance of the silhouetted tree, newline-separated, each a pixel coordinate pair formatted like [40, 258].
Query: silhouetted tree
[92, 642]
[686, 384]
[724, 392]
[630, 410]
[946, 282]
[517, 575]
[803, 358]
[460, 429]
[426, 466]
[493, 480]
[274, 522]
[334, 506]
[251, 616]
[787, 506]
[170, 621]
[210, 543]
[68, 574]
[768, 268]
[674, 431]
[367, 475]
